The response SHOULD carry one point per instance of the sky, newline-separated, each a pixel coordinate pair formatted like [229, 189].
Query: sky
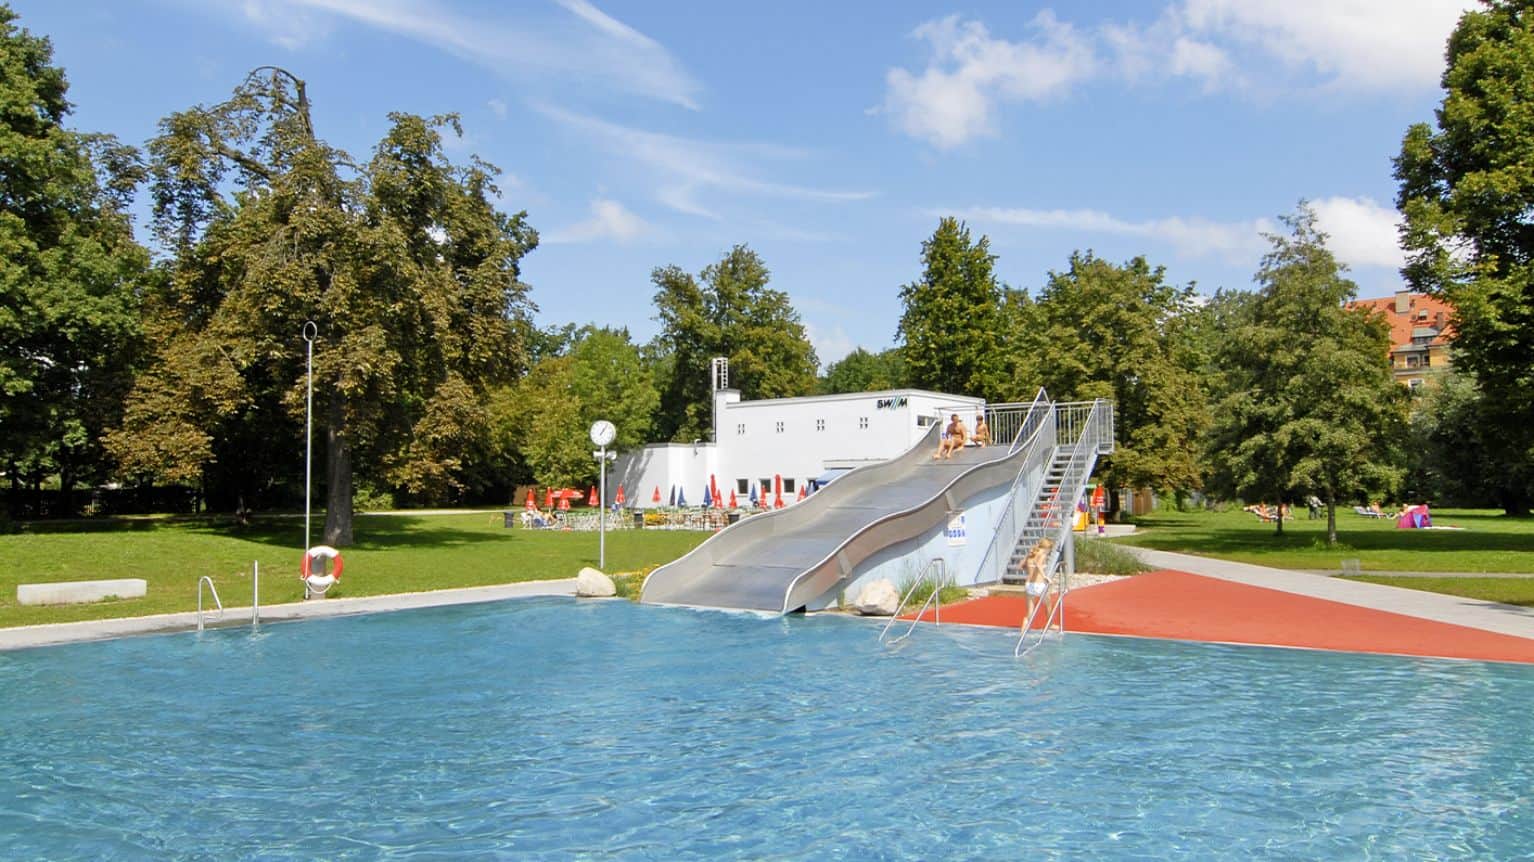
[831, 137]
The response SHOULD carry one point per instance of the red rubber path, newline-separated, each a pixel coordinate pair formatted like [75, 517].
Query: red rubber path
[1181, 606]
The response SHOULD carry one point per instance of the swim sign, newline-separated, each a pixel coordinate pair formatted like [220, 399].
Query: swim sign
[891, 403]
[956, 532]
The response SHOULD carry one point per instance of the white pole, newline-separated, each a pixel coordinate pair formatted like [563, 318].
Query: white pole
[602, 509]
[255, 590]
[310, 331]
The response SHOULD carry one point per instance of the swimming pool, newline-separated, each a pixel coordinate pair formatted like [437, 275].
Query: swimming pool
[547, 728]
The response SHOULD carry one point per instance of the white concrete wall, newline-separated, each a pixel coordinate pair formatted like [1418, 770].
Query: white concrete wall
[663, 465]
[795, 438]
[799, 438]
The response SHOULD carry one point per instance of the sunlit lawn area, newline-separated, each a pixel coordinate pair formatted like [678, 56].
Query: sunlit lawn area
[392, 554]
[1512, 591]
[1488, 543]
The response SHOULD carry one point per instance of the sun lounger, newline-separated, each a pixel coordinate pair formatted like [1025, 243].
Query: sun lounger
[1367, 513]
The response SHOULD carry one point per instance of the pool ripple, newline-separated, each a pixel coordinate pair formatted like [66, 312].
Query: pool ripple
[551, 729]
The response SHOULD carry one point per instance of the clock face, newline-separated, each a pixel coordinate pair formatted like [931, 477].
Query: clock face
[603, 432]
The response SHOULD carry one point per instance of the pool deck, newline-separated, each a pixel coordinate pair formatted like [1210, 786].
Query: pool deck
[1200, 599]
[22, 637]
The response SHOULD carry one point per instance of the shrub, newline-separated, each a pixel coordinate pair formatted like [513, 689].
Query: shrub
[1105, 558]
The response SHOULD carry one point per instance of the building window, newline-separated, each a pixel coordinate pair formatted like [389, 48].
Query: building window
[863, 423]
[1411, 362]
[820, 424]
[1427, 360]
[924, 421]
[780, 427]
[743, 486]
[1414, 384]
[788, 486]
[741, 428]
[766, 486]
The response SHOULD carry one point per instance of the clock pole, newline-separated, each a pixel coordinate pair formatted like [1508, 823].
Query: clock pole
[602, 433]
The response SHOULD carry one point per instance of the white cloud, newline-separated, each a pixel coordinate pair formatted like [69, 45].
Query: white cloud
[1360, 232]
[497, 107]
[1236, 242]
[682, 169]
[968, 73]
[1351, 44]
[585, 44]
[609, 220]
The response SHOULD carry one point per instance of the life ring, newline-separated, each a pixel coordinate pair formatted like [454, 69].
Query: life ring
[328, 553]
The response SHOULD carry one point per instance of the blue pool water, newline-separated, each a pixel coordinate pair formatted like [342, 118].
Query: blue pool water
[550, 729]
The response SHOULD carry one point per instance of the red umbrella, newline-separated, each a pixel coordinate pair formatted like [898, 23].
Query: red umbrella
[619, 498]
[564, 503]
[713, 485]
[548, 498]
[802, 493]
[655, 498]
[530, 505]
[777, 491]
[592, 500]
[732, 499]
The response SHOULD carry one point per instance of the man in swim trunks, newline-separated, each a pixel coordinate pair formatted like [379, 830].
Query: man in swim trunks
[953, 439]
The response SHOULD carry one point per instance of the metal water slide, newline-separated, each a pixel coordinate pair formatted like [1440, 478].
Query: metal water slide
[780, 561]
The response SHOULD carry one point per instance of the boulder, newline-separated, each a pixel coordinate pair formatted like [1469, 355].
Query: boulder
[877, 599]
[593, 584]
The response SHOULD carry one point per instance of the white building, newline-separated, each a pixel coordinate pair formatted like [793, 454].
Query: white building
[793, 439]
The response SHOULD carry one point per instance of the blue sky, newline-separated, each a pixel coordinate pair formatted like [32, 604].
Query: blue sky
[831, 136]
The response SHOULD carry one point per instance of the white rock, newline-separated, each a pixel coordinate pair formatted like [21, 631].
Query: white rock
[877, 599]
[594, 584]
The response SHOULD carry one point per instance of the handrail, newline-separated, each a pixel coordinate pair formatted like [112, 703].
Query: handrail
[255, 593]
[1091, 439]
[212, 589]
[1057, 606]
[1041, 442]
[937, 614]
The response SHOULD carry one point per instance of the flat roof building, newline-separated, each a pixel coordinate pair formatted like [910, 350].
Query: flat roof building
[795, 439]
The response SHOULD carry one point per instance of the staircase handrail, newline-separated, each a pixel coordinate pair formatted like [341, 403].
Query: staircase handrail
[1041, 443]
[937, 591]
[1096, 433]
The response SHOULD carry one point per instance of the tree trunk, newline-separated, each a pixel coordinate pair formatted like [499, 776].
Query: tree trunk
[1331, 521]
[1515, 504]
[1278, 517]
[15, 500]
[338, 476]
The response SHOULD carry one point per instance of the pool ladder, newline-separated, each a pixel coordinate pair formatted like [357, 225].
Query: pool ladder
[935, 601]
[255, 598]
[1029, 638]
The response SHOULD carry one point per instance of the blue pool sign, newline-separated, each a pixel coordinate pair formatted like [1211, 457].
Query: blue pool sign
[956, 532]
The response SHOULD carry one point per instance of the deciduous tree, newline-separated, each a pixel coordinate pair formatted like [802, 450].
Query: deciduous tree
[70, 273]
[403, 262]
[728, 310]
[1311, 405]
[1467, 194]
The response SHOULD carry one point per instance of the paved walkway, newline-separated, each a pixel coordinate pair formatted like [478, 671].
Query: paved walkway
[1475, 613]
[1332, 573]
[57, 633]
[1196, 598]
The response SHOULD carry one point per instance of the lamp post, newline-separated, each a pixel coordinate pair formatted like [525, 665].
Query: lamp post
[602, 433]
[310, 331]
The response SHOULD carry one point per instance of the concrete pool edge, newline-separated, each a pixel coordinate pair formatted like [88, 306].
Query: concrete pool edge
[53, 634]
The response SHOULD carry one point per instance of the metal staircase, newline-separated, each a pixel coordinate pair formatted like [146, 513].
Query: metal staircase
[1051, 505]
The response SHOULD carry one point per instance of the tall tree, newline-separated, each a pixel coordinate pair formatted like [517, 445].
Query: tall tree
[862, 371]
[70, 273]
[729, 311]
[951, 318]
[1460, 456]
[1101, 330]
[546, 416]
[1312, 407]
[1467, 192]
[403, 262]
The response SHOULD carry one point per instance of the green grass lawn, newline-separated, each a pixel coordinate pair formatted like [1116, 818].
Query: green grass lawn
[392, 554]
[1511, 591]
[1489, 542]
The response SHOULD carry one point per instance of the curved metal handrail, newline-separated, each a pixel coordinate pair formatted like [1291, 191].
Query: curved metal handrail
[214, 590]
[937, 614]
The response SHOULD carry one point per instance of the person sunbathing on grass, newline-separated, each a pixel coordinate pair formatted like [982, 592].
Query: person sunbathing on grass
[953, 439]
[1035, 565]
